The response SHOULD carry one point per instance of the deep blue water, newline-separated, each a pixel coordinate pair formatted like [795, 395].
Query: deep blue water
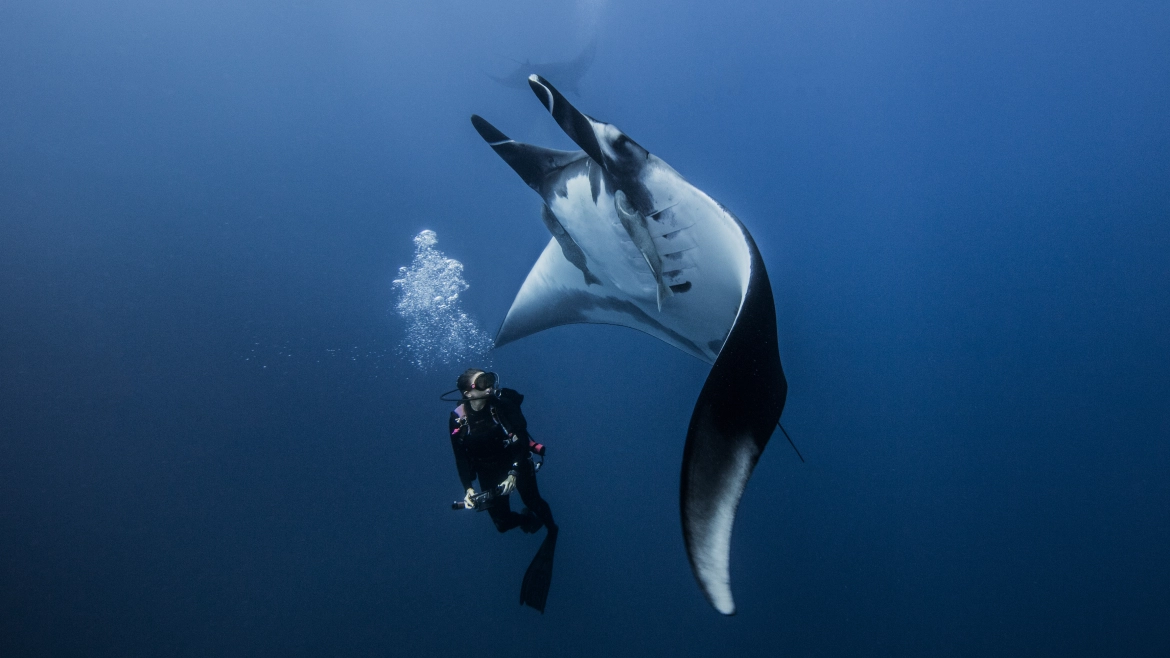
[209, 447]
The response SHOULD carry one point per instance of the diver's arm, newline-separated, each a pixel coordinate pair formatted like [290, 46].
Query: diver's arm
[517, 425]
[462, 461]
[514, 420]
[507, 485]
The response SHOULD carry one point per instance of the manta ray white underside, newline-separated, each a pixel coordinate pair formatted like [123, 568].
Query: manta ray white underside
[700, 246]
[634, 244]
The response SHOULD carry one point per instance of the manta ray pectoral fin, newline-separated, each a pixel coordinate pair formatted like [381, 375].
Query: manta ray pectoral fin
[512, 81]
[735, 415]
[554, 294]
[532, 163]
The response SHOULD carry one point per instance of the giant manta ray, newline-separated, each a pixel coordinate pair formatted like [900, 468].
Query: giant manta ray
[634, 244]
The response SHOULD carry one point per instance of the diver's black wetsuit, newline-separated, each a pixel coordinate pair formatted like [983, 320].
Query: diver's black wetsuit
[488, 444]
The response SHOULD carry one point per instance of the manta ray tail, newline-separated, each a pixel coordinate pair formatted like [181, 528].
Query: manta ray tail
[734, 417]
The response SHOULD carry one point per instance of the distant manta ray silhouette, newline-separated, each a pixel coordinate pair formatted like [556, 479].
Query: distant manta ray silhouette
[634, 244]
[568, 73]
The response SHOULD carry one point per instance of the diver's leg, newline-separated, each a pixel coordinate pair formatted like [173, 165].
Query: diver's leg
[530, 494]
[538, 577]
[502, 514]
[500, 508]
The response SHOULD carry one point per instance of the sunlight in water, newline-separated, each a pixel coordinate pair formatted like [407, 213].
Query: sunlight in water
[437, 329]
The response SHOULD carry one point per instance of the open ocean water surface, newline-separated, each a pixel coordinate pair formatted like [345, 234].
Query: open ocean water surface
[212, 443]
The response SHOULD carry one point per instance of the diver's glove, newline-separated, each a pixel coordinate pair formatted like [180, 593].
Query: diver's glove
[467, 501]
[507, 485]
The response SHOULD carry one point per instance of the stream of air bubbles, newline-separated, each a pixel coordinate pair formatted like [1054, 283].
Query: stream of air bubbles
[438, 331]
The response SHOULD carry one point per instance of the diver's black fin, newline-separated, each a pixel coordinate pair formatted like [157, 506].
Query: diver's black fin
[538, 578]
[533, 163]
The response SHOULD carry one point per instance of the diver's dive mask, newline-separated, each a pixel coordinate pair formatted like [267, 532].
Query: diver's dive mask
[485, 381]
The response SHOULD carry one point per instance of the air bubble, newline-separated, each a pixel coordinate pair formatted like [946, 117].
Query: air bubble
[438, 331]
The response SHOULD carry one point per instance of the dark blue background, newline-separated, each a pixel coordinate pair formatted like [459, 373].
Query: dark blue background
[208, 446]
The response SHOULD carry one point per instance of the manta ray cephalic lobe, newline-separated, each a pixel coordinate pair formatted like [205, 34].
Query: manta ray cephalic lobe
[634, 244]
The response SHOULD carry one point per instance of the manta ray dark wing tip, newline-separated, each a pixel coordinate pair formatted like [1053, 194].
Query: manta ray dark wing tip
[543, 90]
[487, 131]
[576, 125]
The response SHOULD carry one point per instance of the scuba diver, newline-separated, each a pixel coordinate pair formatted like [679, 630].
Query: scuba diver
[489, 436]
